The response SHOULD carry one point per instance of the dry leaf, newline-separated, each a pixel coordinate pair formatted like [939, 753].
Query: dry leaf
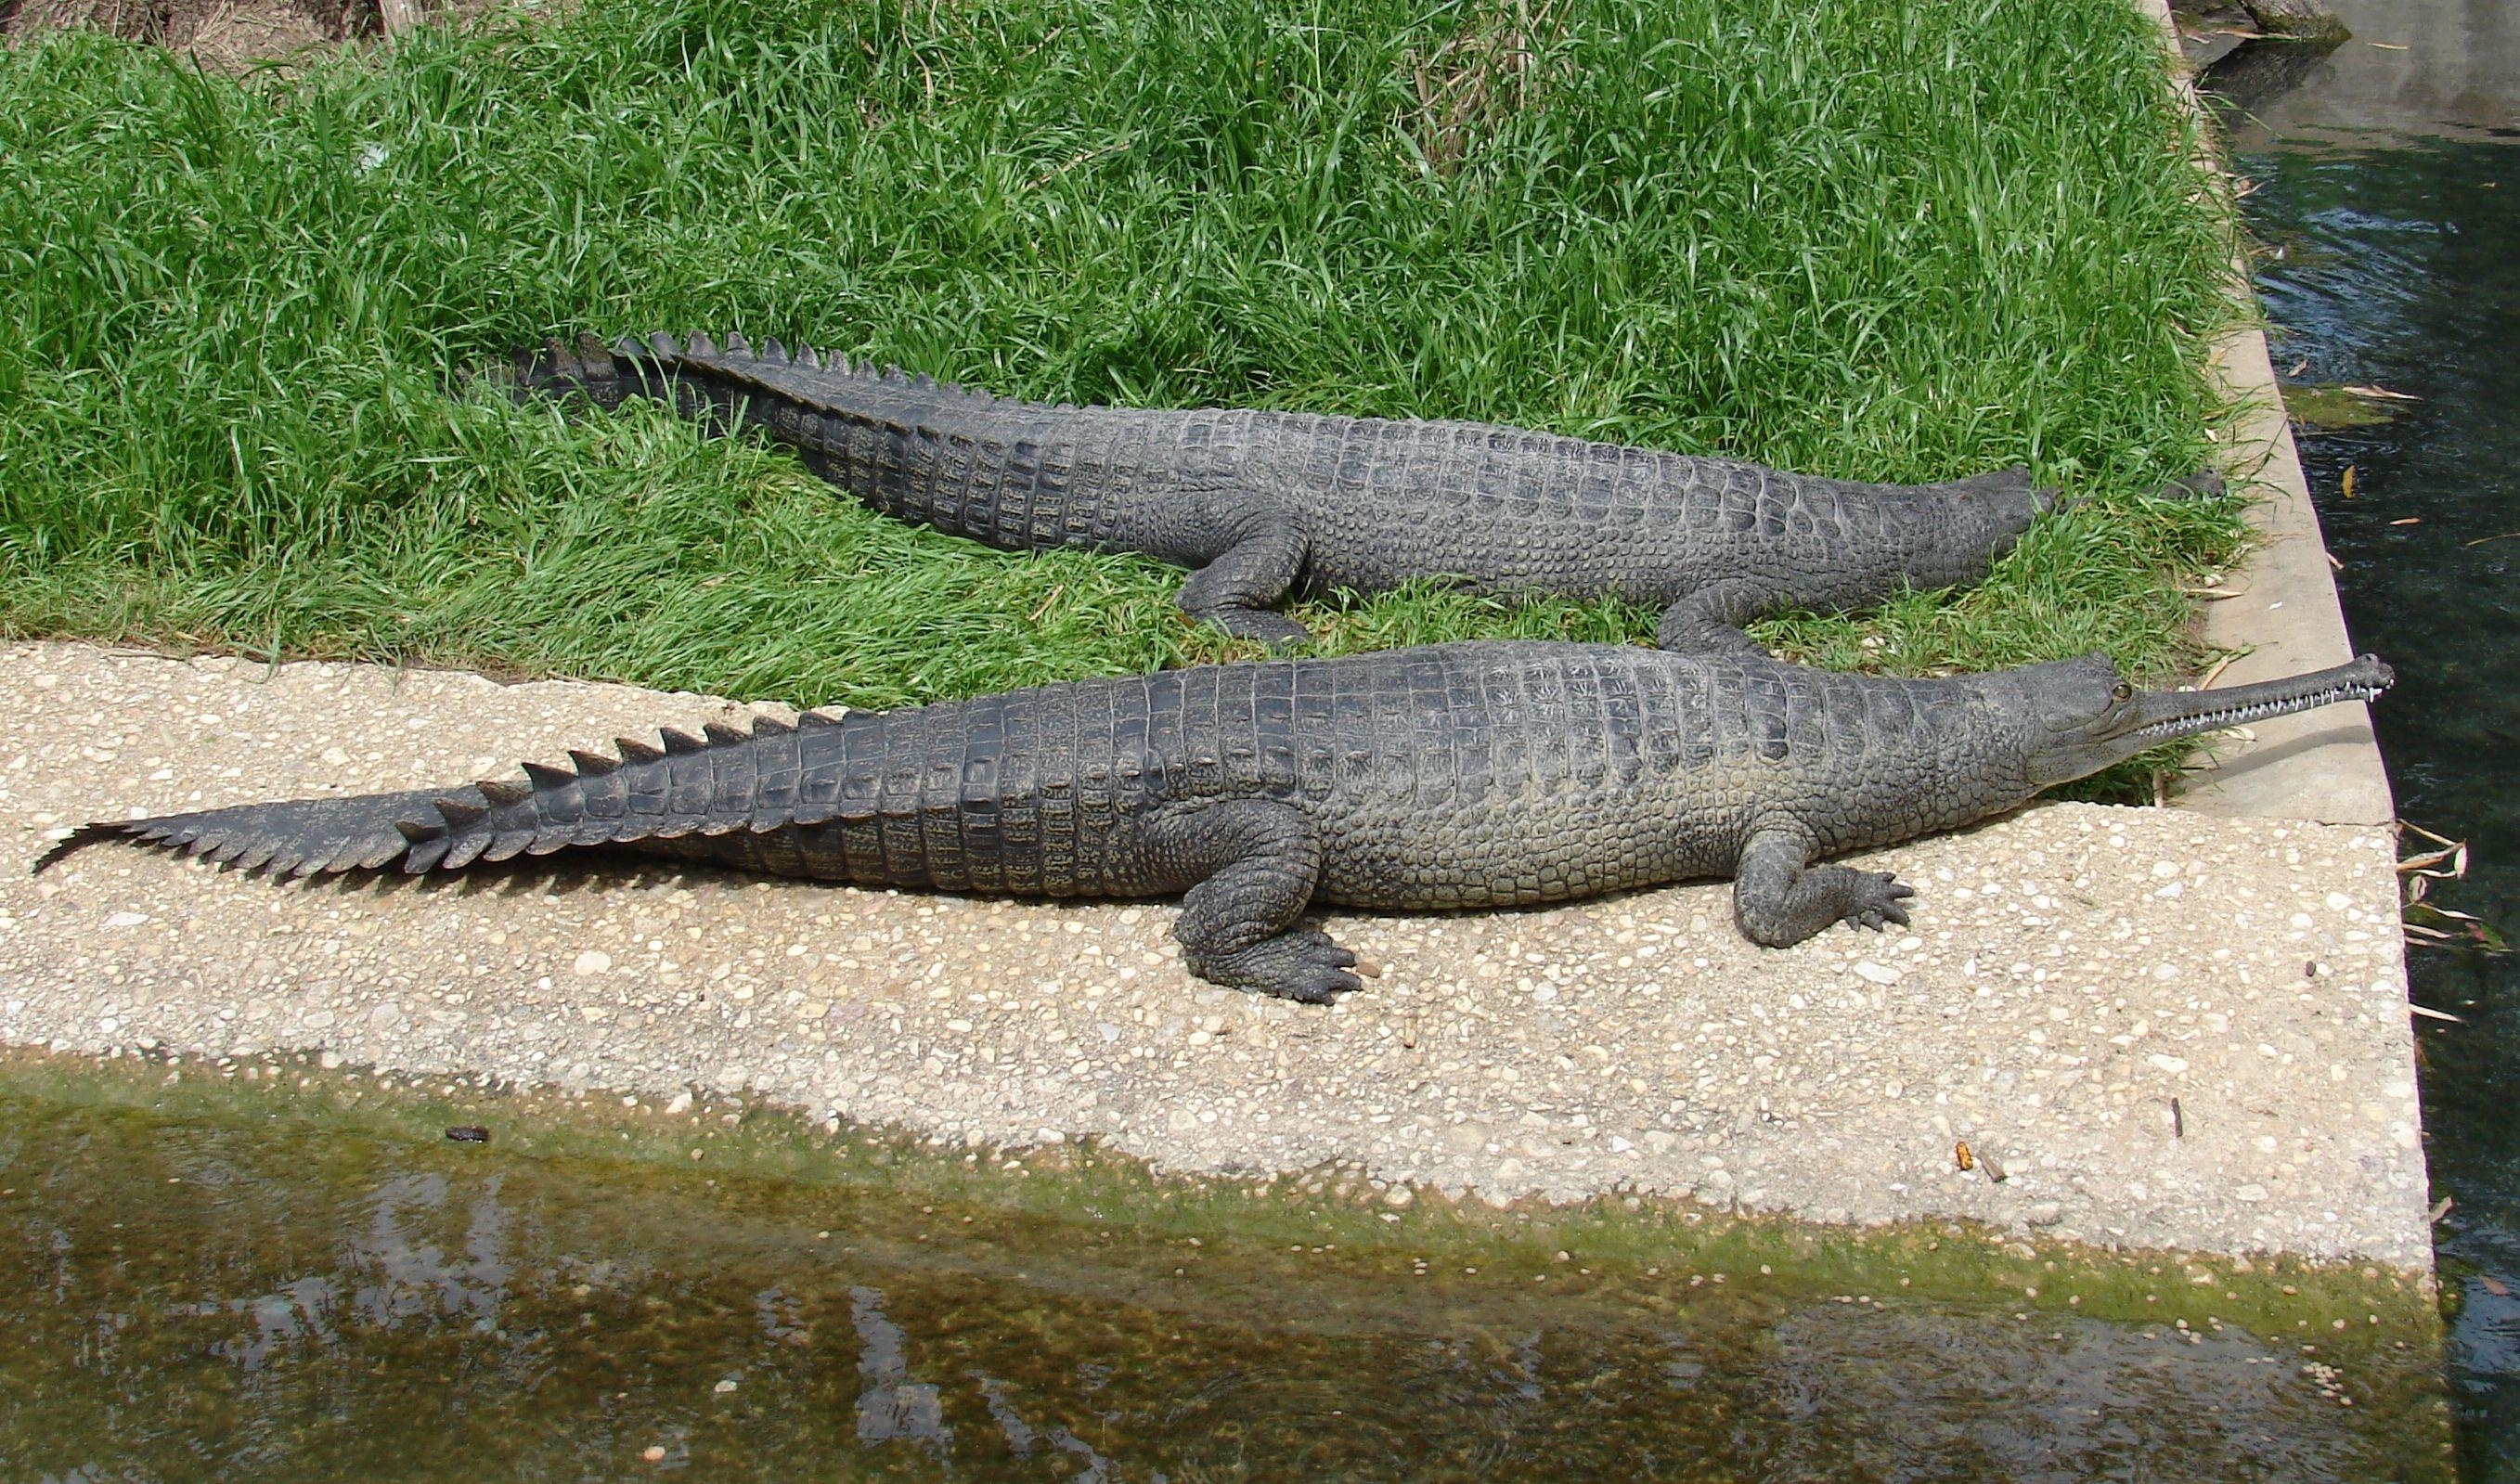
[2494, 1285]
[2348, 489]
[2382, 392]
[2409, 520]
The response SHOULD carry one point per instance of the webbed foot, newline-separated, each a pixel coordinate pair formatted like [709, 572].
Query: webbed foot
[1874, 898]
[1271, 628]
[1301, 964]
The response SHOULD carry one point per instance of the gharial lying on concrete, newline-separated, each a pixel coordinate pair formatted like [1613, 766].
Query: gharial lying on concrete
[1257, 502]
[1450, 776]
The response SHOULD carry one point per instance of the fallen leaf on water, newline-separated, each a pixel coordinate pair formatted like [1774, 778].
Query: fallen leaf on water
[2481, 540]
[2409, 520]
[2386, 46]
[2368, 391]
[2299, 367]
[2348, 487]
[2494, 1285]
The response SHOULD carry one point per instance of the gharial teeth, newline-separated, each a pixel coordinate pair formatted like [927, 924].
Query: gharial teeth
[2236, 715]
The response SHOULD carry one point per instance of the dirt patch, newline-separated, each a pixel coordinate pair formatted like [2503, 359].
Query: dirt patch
[224, 35]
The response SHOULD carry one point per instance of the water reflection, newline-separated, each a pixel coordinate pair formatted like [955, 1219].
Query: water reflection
[287, 1303]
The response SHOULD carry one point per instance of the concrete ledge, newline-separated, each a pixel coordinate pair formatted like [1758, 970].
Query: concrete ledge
[2072, 971]
[2284, 616]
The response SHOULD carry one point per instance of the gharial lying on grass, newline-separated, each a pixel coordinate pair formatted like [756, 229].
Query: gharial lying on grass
[1257, 502]
[1463, 774]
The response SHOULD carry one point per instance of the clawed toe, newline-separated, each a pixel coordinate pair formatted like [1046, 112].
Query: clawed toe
[1878, 896]
[1303, 965]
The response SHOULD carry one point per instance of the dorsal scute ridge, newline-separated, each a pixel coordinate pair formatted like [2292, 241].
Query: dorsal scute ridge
[678, 742]
[737, 344]
[720, 735]
[633, 750]
[592, 764]
[503, 791]
[546, 777]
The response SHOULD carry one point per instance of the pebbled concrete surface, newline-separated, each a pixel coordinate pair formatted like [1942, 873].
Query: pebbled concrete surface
[2072, 971]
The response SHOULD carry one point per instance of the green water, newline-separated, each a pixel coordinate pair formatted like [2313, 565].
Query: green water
[239, 1287]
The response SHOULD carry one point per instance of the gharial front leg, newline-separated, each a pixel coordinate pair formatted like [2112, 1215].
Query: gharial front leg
[1708, 621]
[1237, 589]
[1780, 900]
[1255, 862]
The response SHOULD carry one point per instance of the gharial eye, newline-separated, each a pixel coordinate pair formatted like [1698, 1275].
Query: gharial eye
[2121, 691]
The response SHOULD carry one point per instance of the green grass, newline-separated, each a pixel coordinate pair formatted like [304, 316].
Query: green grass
[1872, 239]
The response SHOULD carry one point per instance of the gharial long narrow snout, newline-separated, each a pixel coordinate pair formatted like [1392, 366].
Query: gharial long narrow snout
[2088, 732]
[2161, 715]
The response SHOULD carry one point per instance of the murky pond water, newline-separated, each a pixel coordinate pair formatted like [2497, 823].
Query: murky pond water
[2389, 202]
[232, 1286]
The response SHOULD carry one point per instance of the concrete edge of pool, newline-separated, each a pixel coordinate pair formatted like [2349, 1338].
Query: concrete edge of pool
[2283, 618]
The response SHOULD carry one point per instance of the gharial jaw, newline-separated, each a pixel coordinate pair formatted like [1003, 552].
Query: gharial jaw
[2082, 716]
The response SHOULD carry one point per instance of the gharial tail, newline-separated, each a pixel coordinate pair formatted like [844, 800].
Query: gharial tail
[729, 781]
[769, 385]
[301, 836]
[913, 447]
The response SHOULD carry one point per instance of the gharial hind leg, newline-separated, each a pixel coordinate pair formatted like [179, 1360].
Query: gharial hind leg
[1255, 862]
[1709, 621]
[1235, 590]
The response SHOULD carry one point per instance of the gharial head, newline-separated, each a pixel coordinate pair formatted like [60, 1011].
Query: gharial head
[2080, 716]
